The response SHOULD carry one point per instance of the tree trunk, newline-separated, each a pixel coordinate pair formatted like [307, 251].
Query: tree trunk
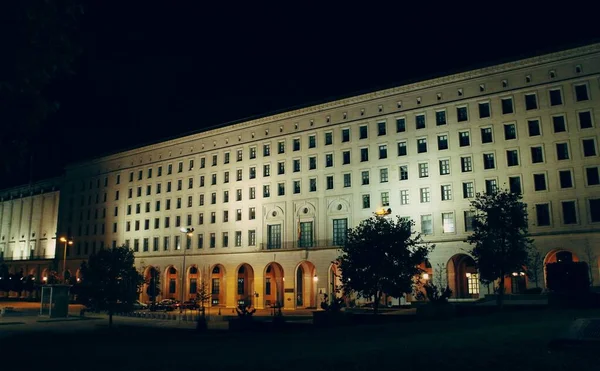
[110, 319]
[376, 302]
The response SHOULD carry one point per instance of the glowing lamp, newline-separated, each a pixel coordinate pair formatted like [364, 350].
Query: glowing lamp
[315, 278]
[468, 275]
[425, 276]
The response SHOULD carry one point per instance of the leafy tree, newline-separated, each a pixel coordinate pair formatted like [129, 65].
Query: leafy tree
[16, 282]
[4, 281]
[203, 295]
[153, 289]
[592, 260]
[110, 280]
[500, 230]
[29, 284]
[535, 267]
[42, 39]
[382, 256]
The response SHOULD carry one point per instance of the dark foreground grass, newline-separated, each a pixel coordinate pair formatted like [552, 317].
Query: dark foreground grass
[507, 341]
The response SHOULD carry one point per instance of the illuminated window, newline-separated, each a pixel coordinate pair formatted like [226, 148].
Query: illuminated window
[473, 283]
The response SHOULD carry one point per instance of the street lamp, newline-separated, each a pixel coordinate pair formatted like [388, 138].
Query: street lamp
[189, 231]
[67, 242]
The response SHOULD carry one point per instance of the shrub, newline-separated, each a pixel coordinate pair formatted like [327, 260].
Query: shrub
[567, 277]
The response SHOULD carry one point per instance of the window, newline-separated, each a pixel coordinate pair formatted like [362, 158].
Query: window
[296, 184]
[469, 219]
[488, 161]
[461, 114]
[385, 199]
[306, 234]
[252, 237]
[486, 135]
[484, 110]
[491, 186]
[448, 222]
[252, 193]
[226, 159]
[345, 157]
[340, 228]
[446, 192]
[569, 212]
[468, 190]
[280, 168]
[312, 141]
[403, 171]
[225, 239]
[281, 147]
[402, 150]
[444, 167]
[512, 157]
[420, 121]
[592, 175]
[381, 128]
[585, 119]
[559, 124]
[382, 151]
[426, 224]
[581, 93]
[363, 132]
[464, 138]
[213, 244]
[404, 197]
[530, 101]
[562, 151]
[537, 154]
[555, 97]
[166, 243]
[594, 210]
[534, 127]
[329, 160]
[252, 213]
[345, 135]
[266, 170]
[442, 142]
[466, 164]
[400, 125]
[507, 106]
[213, 181]
[214, 160]
[213, 217]
[252, 152]
[423, 170]
[281, 189]
[421, 145]
[213, 199]
[539, 182]
[347, 180]
[383, 175]
[266, 150]
[296, 144]
[312, 185]
[202, 163]
[365, 177]
[201, 181]
[364, 154]
[510, 132]
[238, 215]
[296, 165]
[329, 182]
[514, 183]
[440, 117]
[425, 194]
[366, 201]
[266, 190]
[589, 147]
[312, 163]
[565, 179]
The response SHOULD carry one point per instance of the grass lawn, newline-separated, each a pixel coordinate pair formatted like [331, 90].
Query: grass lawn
[508, 341]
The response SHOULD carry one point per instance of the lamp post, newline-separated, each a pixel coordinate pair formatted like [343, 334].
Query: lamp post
[189, 231]
[67, 242]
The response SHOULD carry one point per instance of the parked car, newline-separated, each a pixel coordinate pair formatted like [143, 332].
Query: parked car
[137, 305]
[190, 304]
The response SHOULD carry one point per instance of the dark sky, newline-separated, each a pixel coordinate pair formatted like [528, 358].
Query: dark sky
[155, 71]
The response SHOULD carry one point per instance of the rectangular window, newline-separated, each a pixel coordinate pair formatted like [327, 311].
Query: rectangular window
[484, 110]
[534, 128]
[446, 190]
[345, 157]
[489, 161]
[266, 190]
[444, 167]
[589, 147]
[364, 154]
[581, 93]
[559, 124]
[281, 189]
[385, 199]
[466, 164]
[569, 212]
[491, 186]
[468, 190]
[213, 241]
[266, 150]
[305, 237]
[280, 168]
[363, 132]
[537, 155]
[329, 160]
[539, 182]
[382, 151]
[531, 102]
[329, 182]
[426, 224]
[510, 132]
[592, 175]
[381, 129]
[365, 177]
[464, 139]
[274, 236]
[266, 170]
[402, 150]
[252, 153]
[252, 213]
[296, 144]
[400, 125]
[383, 175]
[486, 135]
[252, 237]
[312, 163]
[423, 170]
[585, 119]
[280, 147]
[462, 114]
[514, 183]
[512, 157]
[296, 186]
[421, 145]
[594, 210]
[312, 141]
[312, 185]
[328, 138]
[345, 135]
[225, 239]
[296, 165]
[166, 243]
[238, 238]
[555, 97]
[347, 180]
[425, 195]
[440, 117]
[340, 228]
[448, 222]
[565, 179]
[507, 106]
[404, 197]
[420, 121]
[403, 171]
[366, 201]
[469, 218]
[442, 142]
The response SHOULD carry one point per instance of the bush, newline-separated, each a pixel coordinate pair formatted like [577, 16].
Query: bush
[567, 277]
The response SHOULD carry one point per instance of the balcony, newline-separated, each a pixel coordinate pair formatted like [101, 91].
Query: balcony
[296, 245]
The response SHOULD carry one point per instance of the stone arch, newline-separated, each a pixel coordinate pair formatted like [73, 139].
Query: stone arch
[192, 283]
[463, 277]
[334, 287]
[305, 209]
[306, 280]
[218, 285]
[274, 212]
[338, 205]
[557, 256]
[244, 287]
[170, 286]
[274, 284]
[151, 290]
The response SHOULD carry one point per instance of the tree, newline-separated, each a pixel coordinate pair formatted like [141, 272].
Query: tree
[153, 289]
[382, 256]
[535, 267]
[42, 39]
[110, 280]
[592, 260]
[500, 229]
[4, 279]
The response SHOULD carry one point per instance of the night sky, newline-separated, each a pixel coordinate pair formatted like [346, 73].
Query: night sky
[150, 72]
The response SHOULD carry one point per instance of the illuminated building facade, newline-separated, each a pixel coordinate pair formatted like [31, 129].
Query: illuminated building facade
[28, 220]
[270, 198]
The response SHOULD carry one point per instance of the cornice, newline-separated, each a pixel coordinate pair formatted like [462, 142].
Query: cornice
[403, 89]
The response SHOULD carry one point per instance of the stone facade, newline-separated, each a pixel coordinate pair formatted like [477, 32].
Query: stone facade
[279, 189]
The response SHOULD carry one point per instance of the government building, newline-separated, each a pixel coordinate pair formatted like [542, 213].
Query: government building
[270, 199]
